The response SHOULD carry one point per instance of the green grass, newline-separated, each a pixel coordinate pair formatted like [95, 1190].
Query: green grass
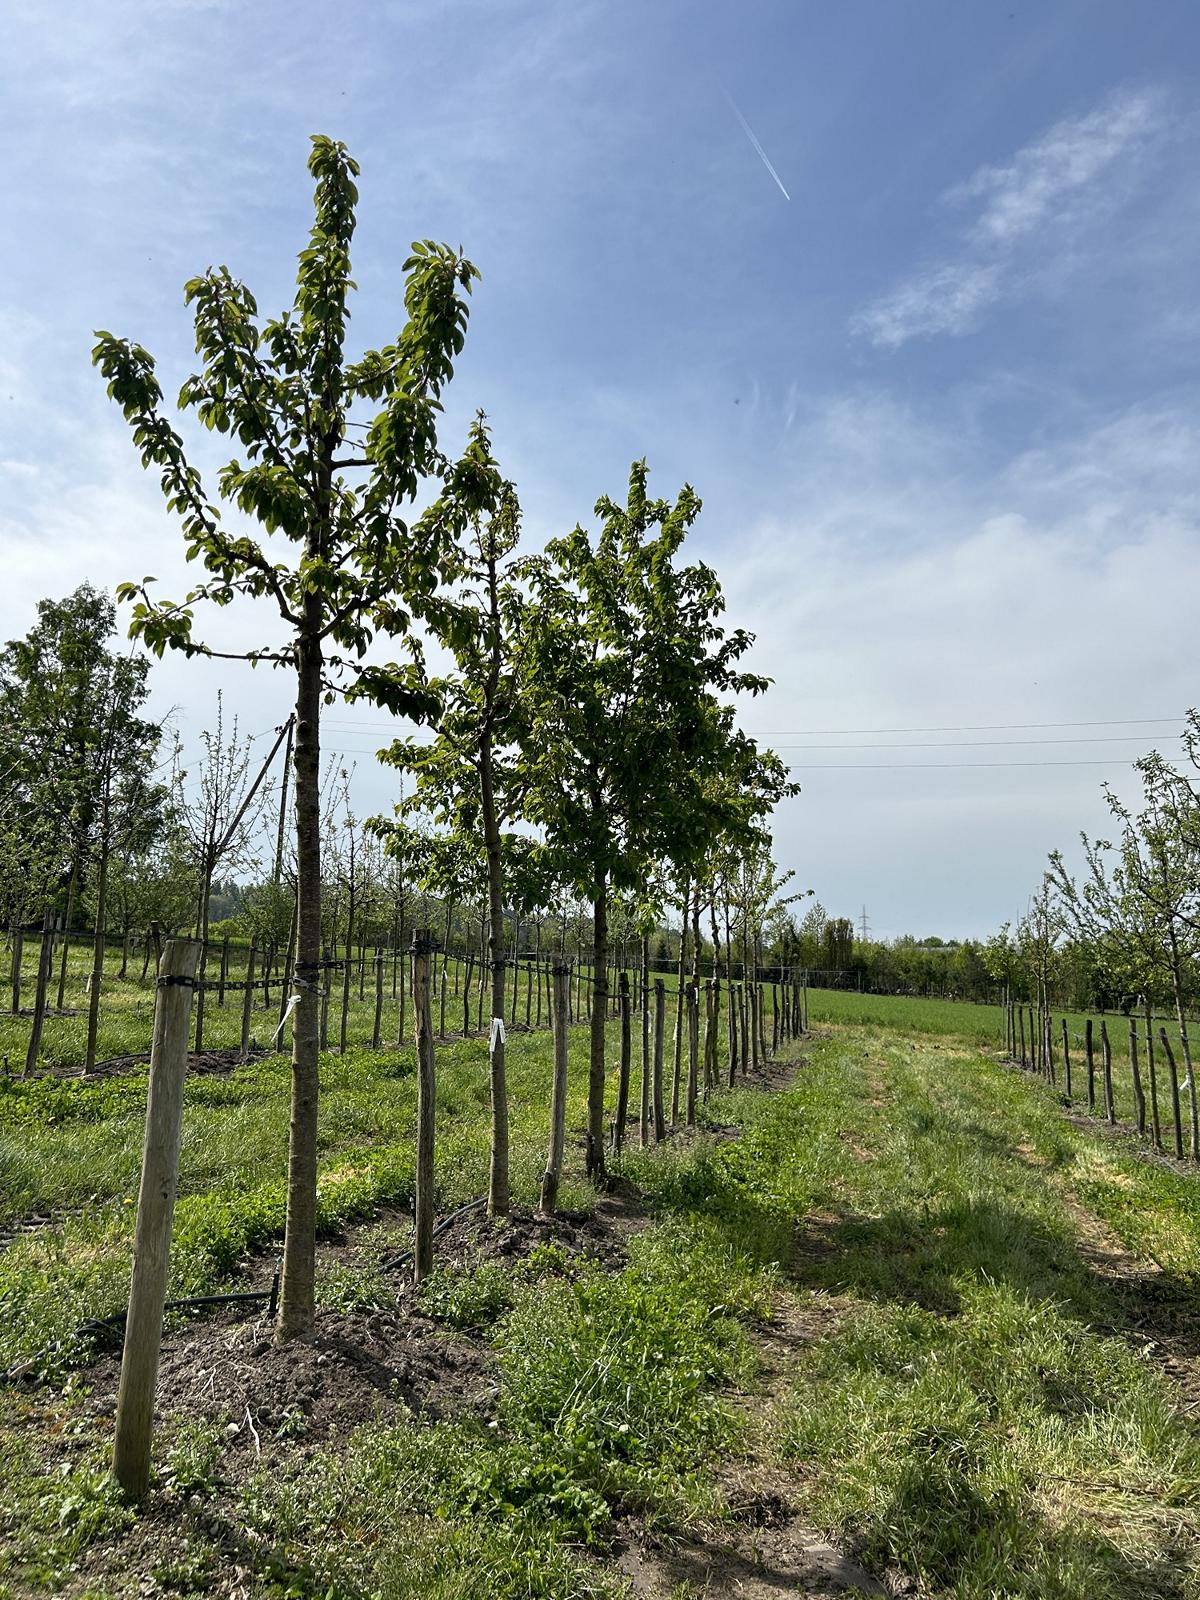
[82, 1148]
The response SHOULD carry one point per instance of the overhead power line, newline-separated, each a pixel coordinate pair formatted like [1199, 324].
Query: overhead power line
[933, 766]
[973, 727]
[972, 744]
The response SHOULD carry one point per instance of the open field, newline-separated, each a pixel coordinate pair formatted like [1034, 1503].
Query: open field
[900, 1303]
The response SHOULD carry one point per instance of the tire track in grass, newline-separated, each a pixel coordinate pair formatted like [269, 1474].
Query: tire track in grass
[974, 1426]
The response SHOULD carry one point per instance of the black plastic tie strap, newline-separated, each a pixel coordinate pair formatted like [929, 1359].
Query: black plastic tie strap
[174, 980]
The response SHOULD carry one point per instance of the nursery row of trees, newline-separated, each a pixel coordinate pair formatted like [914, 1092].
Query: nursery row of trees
[1122, 934]
[582, 744]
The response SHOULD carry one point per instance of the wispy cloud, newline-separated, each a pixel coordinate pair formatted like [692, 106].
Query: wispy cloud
[1074, 172]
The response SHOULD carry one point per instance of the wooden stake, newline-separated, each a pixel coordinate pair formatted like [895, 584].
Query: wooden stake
[156, 1207]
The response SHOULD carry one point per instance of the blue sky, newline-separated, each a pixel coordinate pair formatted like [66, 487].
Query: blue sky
[940, 402]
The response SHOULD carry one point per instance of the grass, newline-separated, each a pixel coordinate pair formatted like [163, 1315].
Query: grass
[979, 1406]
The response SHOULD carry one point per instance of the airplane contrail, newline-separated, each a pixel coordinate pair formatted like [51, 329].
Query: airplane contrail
[753, 138]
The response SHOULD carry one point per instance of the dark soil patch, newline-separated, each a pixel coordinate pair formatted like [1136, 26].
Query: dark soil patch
[358, 1367]
[201, 1062]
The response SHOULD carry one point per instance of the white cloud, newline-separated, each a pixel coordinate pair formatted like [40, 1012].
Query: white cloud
[1032, 207]
[1055, 589]
[945, 299]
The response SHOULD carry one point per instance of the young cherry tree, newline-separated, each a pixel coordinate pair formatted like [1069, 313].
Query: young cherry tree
[466, 779]
[623, 657]
[330, 488]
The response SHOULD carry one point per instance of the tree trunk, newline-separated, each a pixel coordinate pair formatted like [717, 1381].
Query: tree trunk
[498, 1196]
[561, 977]
[18, 951]
[296, 1295]
[660, 1020]
[93, 1027]
[72, 891]
[426, 1107]
[644, 1117]
[595, 1130]
[626, 1054]
[45, 968]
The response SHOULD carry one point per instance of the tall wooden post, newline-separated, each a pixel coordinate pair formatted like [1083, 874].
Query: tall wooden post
[426, 1100]
[626, 1062]
[1089, 1050]
[560, 975]
[156, 1207]
[1066, 1057]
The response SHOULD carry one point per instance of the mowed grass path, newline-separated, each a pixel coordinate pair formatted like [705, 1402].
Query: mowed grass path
[987, 1413]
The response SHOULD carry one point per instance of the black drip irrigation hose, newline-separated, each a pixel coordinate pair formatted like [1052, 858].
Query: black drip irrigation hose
[106, 1327]
[448, 1221]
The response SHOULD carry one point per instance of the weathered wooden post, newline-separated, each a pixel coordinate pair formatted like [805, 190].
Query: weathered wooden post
[223, 976]
[156, 1207]
[1089, 1051]
[1066, 1058]
[560, 975]
[426, 1100]
[1021, 1018]
[774, 1019]
[660, 1023]
[248, 1000]
[623, 1010]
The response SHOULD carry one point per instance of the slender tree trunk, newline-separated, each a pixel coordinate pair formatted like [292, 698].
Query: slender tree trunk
[296, 1297]
[680, 1002]
[1185, 1045]
[97, 984]
[595, 1134]
[18, 951]
[1152, 1074]
[41, 991]
[426, 1107]
[560, 977]
[498, 1196]
[72, 891]
[660, 1021]
[644, 1118]
[626, 1054]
